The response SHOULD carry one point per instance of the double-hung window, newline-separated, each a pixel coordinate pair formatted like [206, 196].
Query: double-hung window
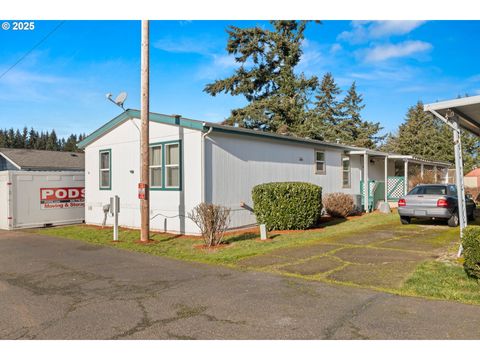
[320, 162]
[172, 165]
[346, 170]
[165, 166]
[156, 166]
[105, 169]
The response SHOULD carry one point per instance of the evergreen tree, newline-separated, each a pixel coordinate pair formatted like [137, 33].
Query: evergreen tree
[32, 139]
[419, 135]
[52, 141]
[24, 137]
[10, 138]
[352, 129]
[71, 143]
[18, 141]
[425, 136]
[42, 140]
[323, 120]
[277, 96]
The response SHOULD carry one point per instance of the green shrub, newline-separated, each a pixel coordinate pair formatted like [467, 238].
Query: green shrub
[471, 251]
[287, 205]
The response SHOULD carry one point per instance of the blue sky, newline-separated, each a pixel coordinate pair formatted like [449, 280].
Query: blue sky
[62, 83]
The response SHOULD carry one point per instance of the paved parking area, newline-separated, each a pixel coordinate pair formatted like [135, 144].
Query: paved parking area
[379, 257]
[65, 289]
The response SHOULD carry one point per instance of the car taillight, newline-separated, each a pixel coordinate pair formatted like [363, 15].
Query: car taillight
[442, 203]
[402, 202]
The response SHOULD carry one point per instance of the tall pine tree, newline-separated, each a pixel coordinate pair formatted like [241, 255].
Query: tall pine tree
[353, 130]
[323, 119]
[425, 136]
[277, 96]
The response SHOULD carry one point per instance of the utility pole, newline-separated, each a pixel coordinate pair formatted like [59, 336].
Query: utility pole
[144, 137]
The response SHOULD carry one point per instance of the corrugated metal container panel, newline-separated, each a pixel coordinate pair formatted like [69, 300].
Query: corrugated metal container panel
[38, 198]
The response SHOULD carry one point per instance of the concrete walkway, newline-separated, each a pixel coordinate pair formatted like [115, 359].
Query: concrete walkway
[379, 257]
[66, 289]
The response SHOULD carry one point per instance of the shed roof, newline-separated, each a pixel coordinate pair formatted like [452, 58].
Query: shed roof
[28, 159]
[474, 173]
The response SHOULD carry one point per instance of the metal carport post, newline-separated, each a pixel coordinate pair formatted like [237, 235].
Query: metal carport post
[462, 113]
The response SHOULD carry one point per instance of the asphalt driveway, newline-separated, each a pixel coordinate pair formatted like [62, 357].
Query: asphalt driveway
[66, 289]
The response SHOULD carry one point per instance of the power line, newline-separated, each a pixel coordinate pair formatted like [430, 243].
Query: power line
[33, 48]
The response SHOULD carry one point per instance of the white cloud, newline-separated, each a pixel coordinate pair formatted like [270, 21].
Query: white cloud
[25, 84]
[316, 58]
[28, 78]
[474, 78]
[224, 61]
[363, 31]
[391, 51]
[201, 46]
[219, 65]
[335, 48]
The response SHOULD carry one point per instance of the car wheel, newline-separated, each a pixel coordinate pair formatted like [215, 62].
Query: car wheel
[405, 220]
[453, 221]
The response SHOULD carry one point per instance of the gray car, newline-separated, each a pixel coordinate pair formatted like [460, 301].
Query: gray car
[435, 202]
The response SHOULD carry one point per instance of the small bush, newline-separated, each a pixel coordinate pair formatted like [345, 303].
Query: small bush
[471, 251]
[212, 220]
[417, 178]
[287, 205]
[338, 205]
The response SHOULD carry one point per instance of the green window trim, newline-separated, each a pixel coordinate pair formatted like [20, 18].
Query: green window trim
[109, 152]
[164, 144]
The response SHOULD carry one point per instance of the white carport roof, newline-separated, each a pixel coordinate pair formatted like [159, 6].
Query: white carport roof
[467, 110]
[461, 113]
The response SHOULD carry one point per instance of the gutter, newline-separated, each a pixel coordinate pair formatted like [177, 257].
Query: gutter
[202, 155]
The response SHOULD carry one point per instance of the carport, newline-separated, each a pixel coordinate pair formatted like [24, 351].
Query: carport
[462, 113]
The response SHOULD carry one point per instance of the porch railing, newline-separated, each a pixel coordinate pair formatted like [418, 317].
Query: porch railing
[376, 190]
[395, 187]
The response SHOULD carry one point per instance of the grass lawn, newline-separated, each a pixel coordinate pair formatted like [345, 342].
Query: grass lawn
[239, 245]
[443, 280]
[440, 279]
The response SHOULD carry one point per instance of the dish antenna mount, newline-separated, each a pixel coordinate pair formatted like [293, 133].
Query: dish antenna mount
[119, 100]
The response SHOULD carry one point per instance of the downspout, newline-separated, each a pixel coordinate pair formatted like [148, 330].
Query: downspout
[202, 154]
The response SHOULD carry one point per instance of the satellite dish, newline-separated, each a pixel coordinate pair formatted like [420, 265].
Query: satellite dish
[120, 99]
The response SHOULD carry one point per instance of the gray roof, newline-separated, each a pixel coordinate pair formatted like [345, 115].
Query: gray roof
[206, 126]
[27, 159]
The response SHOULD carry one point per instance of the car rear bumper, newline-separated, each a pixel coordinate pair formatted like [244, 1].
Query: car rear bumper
[425, 212]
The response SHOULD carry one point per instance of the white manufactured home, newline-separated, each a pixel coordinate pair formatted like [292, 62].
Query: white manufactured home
[193, 161]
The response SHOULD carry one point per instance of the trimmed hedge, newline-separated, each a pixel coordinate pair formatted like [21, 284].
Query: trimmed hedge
[471, 251]
[287, 205]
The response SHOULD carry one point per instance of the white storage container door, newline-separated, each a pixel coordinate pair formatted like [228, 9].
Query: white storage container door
[44, 198]
[4, 200]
